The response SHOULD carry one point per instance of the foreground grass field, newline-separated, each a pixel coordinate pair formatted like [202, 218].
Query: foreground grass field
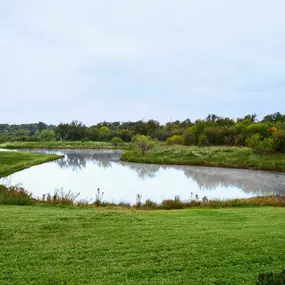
[51, 245]
[231, 157]
[11, 162]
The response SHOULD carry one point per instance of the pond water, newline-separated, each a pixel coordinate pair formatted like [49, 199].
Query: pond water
[83, 171]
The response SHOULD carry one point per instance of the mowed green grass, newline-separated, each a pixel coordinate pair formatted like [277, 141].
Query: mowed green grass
[11, 162]
[231, 157]
[51, 245]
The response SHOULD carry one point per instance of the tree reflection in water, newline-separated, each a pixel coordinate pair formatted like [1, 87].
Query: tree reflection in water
[207, 178]
[77, 159]
[143, 170]
[250, 181]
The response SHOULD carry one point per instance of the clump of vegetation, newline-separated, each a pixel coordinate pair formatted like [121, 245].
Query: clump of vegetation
[279, 141]
[60, 198]
[47, 135]
[16, 195]
[143, 143]
[19, 196]
[271, 278]
[116, 141]
[176, 139]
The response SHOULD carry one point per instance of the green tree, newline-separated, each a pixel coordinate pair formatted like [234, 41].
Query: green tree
[144, 143]
[104, 133]
[47, 135]
[117, 141]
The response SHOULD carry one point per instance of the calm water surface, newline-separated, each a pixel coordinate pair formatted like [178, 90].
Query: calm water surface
[84, 171]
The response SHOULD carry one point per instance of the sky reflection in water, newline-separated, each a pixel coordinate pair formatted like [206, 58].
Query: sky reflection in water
[84, 171]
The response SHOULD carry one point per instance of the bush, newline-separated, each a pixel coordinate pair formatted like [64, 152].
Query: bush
[148, 204]
[260, 147]
[189, 138]
[253, 141]
[267, 146]
[47, 135]
[172, 204]
[142, 142]
[240, 140]
[258, 128]
[117, 141]
[176, 139]
[279, 141]
[203, 141]
[271, 278]
[15, 196]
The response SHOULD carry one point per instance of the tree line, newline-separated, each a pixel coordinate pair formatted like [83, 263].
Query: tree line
[265, 135]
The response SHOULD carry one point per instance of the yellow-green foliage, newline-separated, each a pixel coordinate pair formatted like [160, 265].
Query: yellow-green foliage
[176, 139]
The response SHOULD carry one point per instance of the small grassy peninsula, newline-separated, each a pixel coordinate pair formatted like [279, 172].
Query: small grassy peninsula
[11, 162]
[231, 157]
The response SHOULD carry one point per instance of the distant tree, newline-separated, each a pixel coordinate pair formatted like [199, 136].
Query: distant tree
[143, 143]
[104, 133]
[42, 126]
[152, 128]
[116, 141]
[47, 135]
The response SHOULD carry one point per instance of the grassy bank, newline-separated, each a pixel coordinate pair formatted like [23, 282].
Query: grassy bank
[231, 157]
[48, 245]
[64, 145]
[11, 162]
[16, 195]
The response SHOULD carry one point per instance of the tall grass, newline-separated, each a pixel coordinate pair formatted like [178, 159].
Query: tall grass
[15, 195]
[19, 196]
[230, 157]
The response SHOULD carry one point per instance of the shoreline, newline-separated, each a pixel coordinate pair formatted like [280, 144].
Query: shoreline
[217, 157]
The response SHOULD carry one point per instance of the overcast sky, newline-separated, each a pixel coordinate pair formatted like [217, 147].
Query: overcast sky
[91, 60]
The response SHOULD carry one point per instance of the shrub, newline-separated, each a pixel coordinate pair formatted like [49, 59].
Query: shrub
[240, 140]
[271, 278]
[189, 138]
[279, 141]
[258, 128]
[260, 147]
[253, 141]
[117, 141]
[144, 143]
[148, 204]
[176, 139]
[15, 196]
[47, 135]
[203, 141]
[172, 204]
[267, 146]
[211, 134]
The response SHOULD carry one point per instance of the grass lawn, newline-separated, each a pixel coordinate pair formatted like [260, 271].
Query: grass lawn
[11, 162]
[51, 245]
[64, 145]
[232, 157]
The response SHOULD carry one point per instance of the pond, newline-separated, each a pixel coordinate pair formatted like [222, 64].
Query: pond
[84, 171]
